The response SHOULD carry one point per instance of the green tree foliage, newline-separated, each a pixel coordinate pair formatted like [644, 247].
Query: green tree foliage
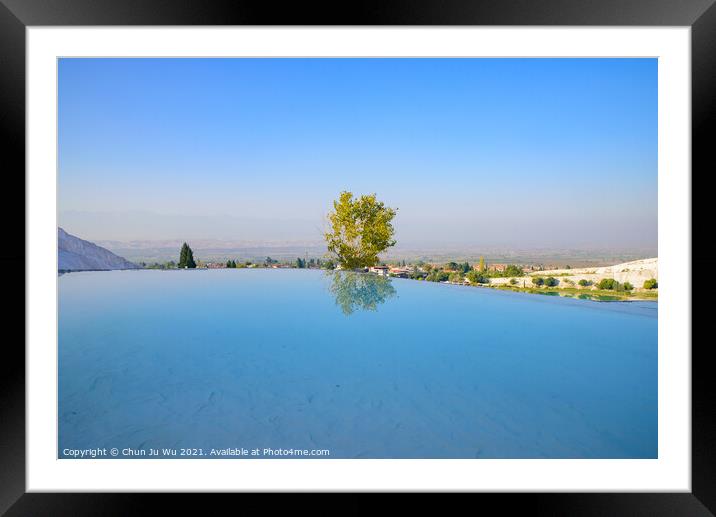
[513, 281]
[481, 266]
[437, 275]
[186, 257]
[627, 286]
[360, 229]
[584, 283]
[651, 284]
[417, 275]
[300, 263]
[513, 270]
[509, 271]
[551, 281]
[538, 281]
[476, 277]
[608, 284]
[182, 255]
[456, 277]
[329, 264]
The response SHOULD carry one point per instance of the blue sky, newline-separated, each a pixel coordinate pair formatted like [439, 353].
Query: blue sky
[511, 152]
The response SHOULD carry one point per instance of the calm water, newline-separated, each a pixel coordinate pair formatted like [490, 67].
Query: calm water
[363, 366]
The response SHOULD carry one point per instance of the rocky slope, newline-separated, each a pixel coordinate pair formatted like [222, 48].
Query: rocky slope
[634, 272]
[75, 254]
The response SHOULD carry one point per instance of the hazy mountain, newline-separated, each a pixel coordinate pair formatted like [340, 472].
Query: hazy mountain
[75, 254]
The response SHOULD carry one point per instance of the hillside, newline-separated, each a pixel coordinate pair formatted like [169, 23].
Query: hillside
[634, 272]
[75, 254]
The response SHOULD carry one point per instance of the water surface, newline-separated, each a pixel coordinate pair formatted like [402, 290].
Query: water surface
[363, 366]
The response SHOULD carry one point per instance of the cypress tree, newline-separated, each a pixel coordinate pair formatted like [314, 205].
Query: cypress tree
[190, 258]
[183, 255]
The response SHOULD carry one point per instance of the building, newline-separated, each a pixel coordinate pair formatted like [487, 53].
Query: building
[380, 270]
[402, 272]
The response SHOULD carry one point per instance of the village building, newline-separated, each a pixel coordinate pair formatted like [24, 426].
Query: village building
[380, 270]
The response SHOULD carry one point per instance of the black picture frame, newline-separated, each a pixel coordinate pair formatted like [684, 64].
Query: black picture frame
[16, 15]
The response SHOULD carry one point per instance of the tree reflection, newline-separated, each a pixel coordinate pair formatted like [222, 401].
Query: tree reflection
[360, 291]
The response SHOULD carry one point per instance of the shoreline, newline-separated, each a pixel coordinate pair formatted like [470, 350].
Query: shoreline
[598, 295]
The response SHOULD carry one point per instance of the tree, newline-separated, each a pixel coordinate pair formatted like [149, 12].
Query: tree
[513, 270]
[481, 266]
[475, 277]
[190, 258]
[300, 263]
[651, 284]
[538, 281]
[437, 275]
[551, 281]
[456, 277]
[182, 255]
[584, 283]
[360, 229]
[608, 283]
[627, 286]
[186, 257]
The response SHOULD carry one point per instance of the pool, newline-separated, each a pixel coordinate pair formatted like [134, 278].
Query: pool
[240, 360]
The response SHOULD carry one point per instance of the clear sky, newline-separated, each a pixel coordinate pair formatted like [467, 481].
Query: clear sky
[508, 152]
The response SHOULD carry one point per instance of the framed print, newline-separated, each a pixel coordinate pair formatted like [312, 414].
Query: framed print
[424, 249]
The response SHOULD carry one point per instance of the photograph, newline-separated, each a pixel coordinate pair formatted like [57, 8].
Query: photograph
[357, 258]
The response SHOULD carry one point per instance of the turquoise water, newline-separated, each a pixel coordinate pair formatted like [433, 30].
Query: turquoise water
[362, 366]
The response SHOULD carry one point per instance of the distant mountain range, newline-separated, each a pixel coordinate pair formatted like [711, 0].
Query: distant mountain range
[215, 250]
[75, 254]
